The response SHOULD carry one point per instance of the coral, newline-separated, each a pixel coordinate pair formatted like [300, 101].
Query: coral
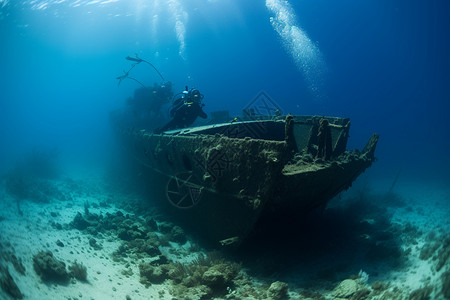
[277, 291]
[127, 272]
[392, 295]
[363, 277]
[346, 289]
[428, 250]
[311, 295]
[197, 292]
[378, 287]
[152, 274]
[151, 223]
[203, 277]
[165, 227]
[177, 271]
[120, 253]
[129, 230]
[446, 285]
[161, 260]
[8, 284]
[143, 246]
[361, 294]
[49, 268]
[444, 254]
[78, 271]
[15, 261]
[94, 244]
[217, 277]
[421, 294]
[212, 271]
[153, 239]
[79, 222]
[129, 234]
[177, 235]
[56, 225]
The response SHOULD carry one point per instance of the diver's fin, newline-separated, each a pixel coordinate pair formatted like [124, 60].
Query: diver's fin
[137, 59]
[125, 75]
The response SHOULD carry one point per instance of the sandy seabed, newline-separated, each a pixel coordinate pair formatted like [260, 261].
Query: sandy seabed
[401, 251]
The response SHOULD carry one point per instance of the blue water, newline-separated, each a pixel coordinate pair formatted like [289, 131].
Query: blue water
[385, 64]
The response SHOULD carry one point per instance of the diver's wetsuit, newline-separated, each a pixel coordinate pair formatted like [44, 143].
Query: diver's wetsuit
[184, 114]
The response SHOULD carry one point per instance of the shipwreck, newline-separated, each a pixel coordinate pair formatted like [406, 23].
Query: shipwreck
[220, 180]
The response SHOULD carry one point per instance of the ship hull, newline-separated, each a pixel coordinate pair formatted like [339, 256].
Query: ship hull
[219, 180]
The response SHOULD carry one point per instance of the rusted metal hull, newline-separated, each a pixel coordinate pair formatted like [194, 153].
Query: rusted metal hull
[221, 179]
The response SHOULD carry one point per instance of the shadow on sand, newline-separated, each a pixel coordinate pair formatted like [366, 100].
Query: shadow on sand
[322, 247]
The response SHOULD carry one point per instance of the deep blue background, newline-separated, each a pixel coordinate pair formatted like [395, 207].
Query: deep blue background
[387, 68]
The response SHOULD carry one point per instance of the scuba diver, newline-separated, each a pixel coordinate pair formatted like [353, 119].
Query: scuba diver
[161, 94]
[185, 110]
[147, 102]
[146, 105]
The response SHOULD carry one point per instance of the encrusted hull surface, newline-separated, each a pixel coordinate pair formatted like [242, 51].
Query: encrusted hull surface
[221, 179]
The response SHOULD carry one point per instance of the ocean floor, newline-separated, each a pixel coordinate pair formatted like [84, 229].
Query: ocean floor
[84, 239]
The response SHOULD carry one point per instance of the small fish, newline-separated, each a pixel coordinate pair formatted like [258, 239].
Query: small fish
[365, 236]
[229, 241]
